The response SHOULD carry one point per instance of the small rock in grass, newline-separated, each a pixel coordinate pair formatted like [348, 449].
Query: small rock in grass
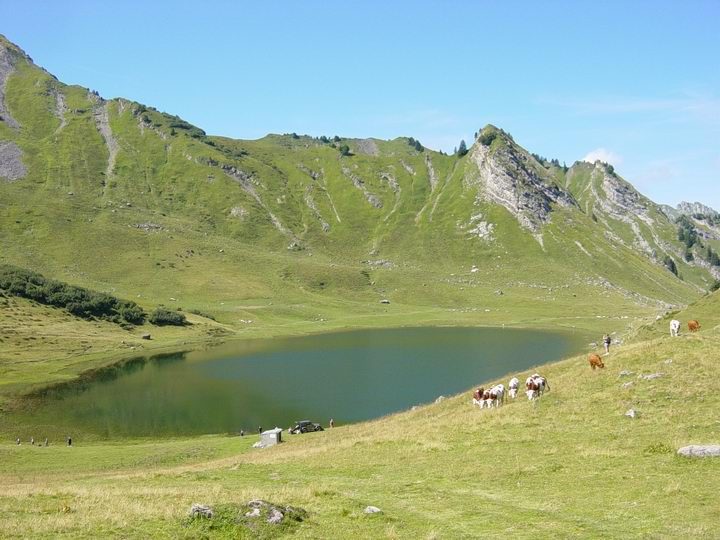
[146, 336]
[632, 413]
[626, 373]
[700, 450]
[275, 517]
[652, 376]
[627, 385]
[668, 361]
[372, 510]
[440, 399]
[200, 511]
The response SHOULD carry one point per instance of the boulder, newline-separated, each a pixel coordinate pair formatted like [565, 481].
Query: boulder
[274, 514]
[372, 510]
[146, 336]
[200, 511]
[384, 301]
[632, 413]
[700, 450]
[440, 399]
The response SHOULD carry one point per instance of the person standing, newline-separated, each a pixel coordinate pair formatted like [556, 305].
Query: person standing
[332, 423]
[606, 342]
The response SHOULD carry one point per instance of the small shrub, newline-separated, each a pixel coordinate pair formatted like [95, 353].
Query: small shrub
[487, 138]
[202, 314]
[657, 448]
[164, 317]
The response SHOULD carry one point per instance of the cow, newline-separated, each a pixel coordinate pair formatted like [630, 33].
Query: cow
[674, 327]
[535, 386]
[478, 396]
[513, 386]
[693, 325]
[493, 397]
[595, 361]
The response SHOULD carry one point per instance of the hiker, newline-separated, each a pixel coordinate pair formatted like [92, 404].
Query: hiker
[332, 423]
[17, 441]
[242, 432]
[607, 340]
[46, 441]
[69, 441]
[259, 429]
[32, 441]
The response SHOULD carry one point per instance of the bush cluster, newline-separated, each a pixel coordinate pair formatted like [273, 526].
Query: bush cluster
[165, 317]
[77, 300]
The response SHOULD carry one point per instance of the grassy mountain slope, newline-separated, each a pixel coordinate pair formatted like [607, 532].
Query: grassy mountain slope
[571, 465]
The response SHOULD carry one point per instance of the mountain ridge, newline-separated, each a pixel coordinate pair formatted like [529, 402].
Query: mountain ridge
[115, 194]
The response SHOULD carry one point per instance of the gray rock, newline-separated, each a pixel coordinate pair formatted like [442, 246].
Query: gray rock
[626, 373]
[273, 513]
[668, 361]
[700, 450]
[146, 336]
[627, 385]
[632, 413]
[440, 399]
[372, 510]
[652, 376]
[384, 301]
[11, 165]
[275, 516]
[200, 511]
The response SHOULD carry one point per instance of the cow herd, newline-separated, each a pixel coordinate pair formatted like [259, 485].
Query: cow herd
[535, 386]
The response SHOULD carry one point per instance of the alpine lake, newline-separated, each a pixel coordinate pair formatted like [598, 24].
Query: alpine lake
[244, 385]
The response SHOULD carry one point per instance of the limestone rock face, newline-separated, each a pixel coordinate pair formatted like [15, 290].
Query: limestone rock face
[510, 177]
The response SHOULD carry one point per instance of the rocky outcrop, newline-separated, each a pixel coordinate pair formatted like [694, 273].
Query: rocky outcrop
[102, 122]
[367, 146]
[359, 183]
[697, 208]
[11, 165]
[506, 176]
[60, 108]
[246, 182]
[432, 175]
[700, 450]
[9, 55]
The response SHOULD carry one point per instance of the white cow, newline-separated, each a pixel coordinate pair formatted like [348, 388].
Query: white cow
[513, 386]
[498, 391]
[674, 327]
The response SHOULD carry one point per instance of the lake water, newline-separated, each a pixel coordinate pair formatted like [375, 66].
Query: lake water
[349, 376]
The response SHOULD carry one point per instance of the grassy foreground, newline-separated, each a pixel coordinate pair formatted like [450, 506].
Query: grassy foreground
[571, 465]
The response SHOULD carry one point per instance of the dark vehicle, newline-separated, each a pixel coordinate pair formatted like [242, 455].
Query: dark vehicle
[305, 426]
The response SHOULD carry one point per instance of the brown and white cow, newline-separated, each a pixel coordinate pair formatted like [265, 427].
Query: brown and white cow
[493, 397]
[595, 361]
[693, 325]
[535, 386]
[478, 396]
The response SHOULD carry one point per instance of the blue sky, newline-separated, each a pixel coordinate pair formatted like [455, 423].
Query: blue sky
[636, 83]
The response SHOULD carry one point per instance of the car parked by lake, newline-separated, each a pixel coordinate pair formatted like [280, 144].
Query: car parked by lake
[305, 426]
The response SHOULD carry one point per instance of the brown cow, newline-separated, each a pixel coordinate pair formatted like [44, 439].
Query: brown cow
[693, 326]
[595, 361]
